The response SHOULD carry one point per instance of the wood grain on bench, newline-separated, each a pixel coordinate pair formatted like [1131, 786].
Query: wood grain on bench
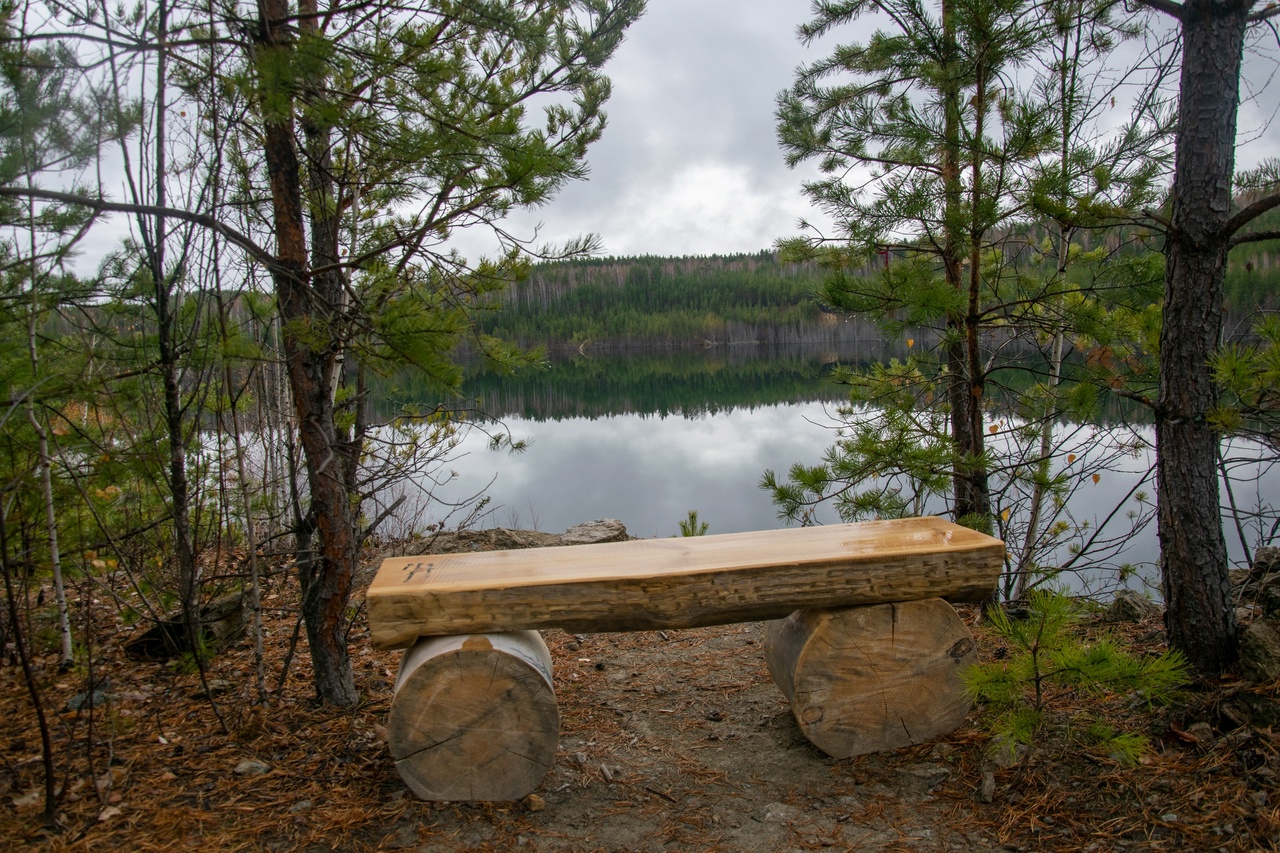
[647, 584]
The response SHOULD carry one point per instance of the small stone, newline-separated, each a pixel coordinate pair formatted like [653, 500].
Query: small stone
[923, 778]
[534, 803]
[780, 813]
[606, 774]
[249, 767]
[1169, 817]
[1202, 732]
[300, 806]
[213, 687]
[987, 788]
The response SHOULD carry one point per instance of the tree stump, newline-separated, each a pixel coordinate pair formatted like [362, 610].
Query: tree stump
[877, 677]
[474, 717]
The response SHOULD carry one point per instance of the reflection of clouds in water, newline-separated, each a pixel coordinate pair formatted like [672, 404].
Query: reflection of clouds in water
[647, 471]
[650, 471]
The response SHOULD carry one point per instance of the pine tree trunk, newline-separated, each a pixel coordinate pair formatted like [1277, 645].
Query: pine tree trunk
[1193, 558]
[309, 364]
[968, 502]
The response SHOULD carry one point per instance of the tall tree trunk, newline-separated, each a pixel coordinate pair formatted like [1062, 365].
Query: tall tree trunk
[969, 481]
[1193, 556]
[309, 360]
[966, 502]
[979, 493]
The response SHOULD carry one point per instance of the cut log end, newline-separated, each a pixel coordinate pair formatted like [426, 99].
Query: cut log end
[872, 678]
[475, 717]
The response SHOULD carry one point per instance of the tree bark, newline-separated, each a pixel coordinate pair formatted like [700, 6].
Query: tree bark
[969, 499]
[309, 346]
[1193, 558]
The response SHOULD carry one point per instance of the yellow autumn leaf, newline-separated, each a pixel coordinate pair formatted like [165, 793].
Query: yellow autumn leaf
[1004, 514]
[911, 342]
[1071, 457]
[994, 428]
[1096, 478]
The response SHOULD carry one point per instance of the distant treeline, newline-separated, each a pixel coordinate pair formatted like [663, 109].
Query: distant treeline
[603, 304]
[655, 301]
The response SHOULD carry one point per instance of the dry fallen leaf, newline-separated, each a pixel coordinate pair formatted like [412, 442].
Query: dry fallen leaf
[30, 798]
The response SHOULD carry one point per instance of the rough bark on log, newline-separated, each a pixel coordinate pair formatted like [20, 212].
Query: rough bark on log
[685, 582]
[872, 678]
[474, 717]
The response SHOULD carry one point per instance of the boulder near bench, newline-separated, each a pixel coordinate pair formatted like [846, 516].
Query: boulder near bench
[865, 645]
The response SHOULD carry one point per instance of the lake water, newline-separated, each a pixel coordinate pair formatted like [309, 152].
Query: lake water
[699, 433]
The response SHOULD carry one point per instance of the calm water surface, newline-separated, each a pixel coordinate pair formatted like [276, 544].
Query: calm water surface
[650, 468]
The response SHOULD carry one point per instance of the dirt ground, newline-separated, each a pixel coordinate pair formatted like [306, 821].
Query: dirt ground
[670, 741]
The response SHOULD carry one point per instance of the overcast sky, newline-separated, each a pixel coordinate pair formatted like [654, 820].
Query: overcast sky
[689, 164]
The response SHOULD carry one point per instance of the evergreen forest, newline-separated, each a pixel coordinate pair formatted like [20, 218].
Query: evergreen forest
[609, 303]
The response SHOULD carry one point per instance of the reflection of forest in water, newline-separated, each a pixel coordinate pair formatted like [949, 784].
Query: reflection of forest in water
[597, 381]
[689, 383]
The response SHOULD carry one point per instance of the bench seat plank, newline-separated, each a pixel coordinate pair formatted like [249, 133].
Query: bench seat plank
[648, 584]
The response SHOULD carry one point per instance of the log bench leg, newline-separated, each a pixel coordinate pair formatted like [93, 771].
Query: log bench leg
[474, 717]
[870, 678]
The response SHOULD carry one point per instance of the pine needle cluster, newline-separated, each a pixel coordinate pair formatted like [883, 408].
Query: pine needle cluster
[1049, 659]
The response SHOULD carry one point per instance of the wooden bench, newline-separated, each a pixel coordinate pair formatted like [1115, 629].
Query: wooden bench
[866, 647]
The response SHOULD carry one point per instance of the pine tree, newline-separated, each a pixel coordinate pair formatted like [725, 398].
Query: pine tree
[953, 183]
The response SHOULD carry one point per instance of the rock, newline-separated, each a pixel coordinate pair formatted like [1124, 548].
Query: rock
[301, 806]
[249, 767]
[1266, 561]
[601, 530]
[1130, 606]
[213, 687]
[780, 813]
[1246, 710]
[1268, 595]
[219, 624]
[1260, 651]
[1202, 732]
[986, 792]
[90, 698]
[1004, 752]
[534, 803]
[923, 778]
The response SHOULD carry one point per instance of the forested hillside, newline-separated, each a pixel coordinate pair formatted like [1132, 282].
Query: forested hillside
[649, 301]
[655, 301]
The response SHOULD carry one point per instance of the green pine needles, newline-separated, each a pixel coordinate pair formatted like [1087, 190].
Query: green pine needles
[1048, 660]
[691, 526]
